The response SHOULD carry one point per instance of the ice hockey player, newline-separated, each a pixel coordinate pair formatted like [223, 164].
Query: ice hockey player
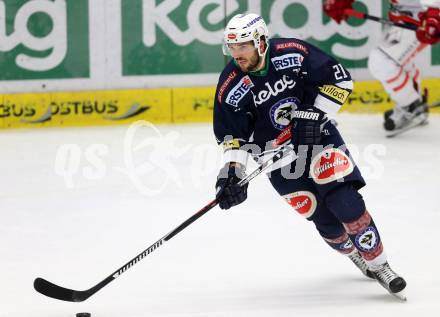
[268, 86]
[393, 61]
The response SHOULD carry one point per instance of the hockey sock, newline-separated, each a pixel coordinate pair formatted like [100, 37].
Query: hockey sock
[342, 244]
[365, 237]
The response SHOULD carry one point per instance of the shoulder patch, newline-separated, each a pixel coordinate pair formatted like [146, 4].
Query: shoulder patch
[225, 85]
[239, 91]
[290, 60]
[334, 93]
[292, 44]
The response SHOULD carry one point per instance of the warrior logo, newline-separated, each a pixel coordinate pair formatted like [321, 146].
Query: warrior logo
[368, 239]
[138, 258]
[304, 202]
[308, 115]
[281, 113]
[330, 165]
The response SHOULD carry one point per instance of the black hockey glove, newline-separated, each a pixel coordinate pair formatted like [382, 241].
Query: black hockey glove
[229, 193]
[306, 127]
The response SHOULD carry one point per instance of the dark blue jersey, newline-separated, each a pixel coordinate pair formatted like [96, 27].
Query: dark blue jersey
[255, 107]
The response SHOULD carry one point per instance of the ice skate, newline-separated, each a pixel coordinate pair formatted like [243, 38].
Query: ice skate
[357, 259]
[390, 280]
[402, 119]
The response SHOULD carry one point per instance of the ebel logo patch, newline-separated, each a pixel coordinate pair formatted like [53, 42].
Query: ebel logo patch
[304, 202]
[239, 91]
[330, 165]
[287, 61]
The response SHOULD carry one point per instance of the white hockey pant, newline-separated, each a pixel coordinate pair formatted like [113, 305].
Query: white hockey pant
[393, 64]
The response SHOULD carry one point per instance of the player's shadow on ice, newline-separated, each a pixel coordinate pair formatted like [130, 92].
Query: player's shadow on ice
[346, 290]
[300, 295]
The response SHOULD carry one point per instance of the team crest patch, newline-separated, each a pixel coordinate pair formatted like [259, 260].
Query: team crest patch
[281, 113]
[304, 202]
[330, 165]
[368, 239]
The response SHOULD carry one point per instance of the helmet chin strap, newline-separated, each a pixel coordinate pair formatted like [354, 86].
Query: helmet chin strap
[261, 58]
[260, 64]
[262, 54]
[261, 61]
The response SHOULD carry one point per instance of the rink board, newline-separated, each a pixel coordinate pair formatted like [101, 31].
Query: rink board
[167, 105]
[85, 108]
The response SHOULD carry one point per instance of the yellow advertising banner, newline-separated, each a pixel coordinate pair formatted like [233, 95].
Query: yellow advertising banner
[85, 108]
[193, 104]
[370, 97]
[167, 105]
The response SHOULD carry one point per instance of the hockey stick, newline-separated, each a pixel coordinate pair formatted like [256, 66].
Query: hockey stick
[435, 104]
[58, 292]
[410, 25]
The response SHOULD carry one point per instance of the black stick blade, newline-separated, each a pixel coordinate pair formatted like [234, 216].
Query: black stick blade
[54, 291]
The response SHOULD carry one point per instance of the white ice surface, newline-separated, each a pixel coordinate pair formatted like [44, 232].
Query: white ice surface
[258, 259]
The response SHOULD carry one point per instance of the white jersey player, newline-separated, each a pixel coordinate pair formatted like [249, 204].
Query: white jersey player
[393, 61]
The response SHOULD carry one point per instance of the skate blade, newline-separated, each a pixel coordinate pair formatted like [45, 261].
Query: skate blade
[400, 295]
[417, 122]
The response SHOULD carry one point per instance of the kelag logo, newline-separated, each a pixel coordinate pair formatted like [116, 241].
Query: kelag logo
[44, 39]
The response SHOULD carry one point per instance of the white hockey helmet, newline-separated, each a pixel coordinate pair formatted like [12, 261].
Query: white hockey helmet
[244, 28]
